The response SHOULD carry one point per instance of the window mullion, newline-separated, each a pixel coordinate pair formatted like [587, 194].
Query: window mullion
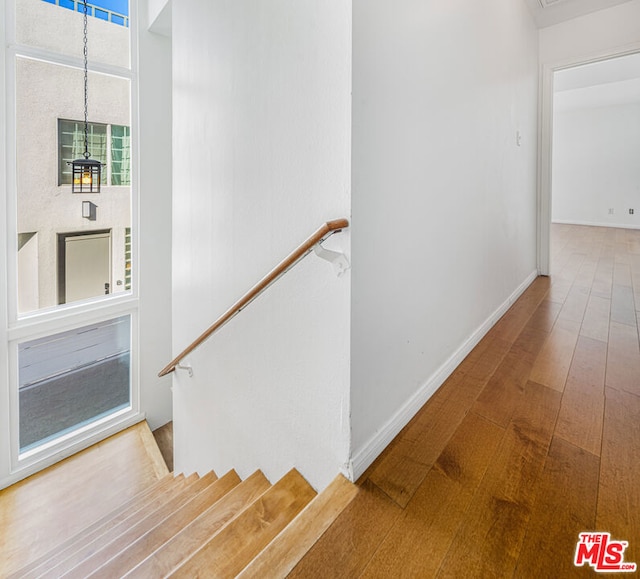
[44, 55]
[109, 155]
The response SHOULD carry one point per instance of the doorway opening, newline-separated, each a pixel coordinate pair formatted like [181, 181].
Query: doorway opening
[596, 144]
[590, 140]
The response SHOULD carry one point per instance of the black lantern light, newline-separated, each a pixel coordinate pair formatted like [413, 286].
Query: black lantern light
[85, 172]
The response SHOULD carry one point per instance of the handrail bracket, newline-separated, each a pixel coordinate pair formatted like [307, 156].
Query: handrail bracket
[186, 367]
[337, 259]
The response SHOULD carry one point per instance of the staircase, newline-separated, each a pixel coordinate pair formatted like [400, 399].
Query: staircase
[201, 527]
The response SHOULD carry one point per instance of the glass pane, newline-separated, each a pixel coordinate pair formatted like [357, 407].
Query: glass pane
[57, 25]
[73, 378]
[71, 245]
[120, 155]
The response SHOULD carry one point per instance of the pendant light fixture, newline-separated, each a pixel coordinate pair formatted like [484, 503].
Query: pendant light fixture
[86, 172]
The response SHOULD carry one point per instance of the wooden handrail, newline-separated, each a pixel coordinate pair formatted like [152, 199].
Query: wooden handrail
[327, 230]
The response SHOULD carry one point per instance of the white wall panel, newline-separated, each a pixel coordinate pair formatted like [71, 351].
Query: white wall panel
[595, 166]
[591, 35]
[261, 159]
[154, 220]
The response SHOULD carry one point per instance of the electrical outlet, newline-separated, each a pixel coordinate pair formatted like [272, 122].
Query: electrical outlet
[610, 210]
[631, 211]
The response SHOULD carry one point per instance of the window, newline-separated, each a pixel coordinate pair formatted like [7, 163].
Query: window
[71, 339]
[109, 144]
[73, 378]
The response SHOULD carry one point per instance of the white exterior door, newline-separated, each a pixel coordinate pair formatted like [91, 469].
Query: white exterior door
[87, 266]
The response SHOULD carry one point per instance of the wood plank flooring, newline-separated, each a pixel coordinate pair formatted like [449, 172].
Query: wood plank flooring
[533, 439]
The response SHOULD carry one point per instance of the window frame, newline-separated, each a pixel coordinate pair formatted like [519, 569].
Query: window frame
[15, 327]
[28, 449]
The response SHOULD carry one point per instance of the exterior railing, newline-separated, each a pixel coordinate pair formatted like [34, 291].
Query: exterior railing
[92, 10]
[327, 230]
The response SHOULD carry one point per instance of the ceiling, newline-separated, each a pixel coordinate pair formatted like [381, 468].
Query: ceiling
[550, 12]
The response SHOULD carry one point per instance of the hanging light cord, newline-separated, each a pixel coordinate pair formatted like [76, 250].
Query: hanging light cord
[86, 99]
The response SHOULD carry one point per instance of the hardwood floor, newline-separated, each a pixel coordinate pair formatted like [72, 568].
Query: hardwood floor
[534, 438]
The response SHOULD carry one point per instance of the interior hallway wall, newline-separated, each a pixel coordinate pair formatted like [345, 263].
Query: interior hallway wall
[444, 194]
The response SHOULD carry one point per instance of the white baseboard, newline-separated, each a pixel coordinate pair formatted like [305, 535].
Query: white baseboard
[365, 456]
[594, 224]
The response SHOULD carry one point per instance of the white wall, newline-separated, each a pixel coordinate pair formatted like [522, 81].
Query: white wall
[591, 35]
[155, 8]
[154, 219]
[444, 201]
[595, 166]
[551, 12]
[160, 16]
[261, 147]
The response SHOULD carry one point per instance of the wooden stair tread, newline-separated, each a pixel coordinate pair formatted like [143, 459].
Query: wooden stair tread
[156, 495]
[238, 542]
[46, 509]
[129, 529]
[139, 550]
[82, 541]
[183, 527]
[192, 537]
[283, 553]
[112, 518]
